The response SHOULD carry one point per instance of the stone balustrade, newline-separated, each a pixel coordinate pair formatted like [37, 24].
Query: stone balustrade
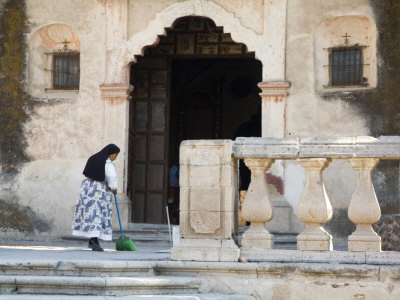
[209, 200]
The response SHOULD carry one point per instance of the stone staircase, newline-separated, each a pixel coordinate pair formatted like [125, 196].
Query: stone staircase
[110, 279]
[158, 235]
[146, 234]
[276, 274]
[118, 278]
[140, 233]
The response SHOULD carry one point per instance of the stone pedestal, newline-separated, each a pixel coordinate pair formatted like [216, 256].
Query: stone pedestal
[314, 208]
[364, 208]
[257, 207]
[208, 191]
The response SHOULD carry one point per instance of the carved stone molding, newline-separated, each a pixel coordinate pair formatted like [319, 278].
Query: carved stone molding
[274, 90]
[116, 91]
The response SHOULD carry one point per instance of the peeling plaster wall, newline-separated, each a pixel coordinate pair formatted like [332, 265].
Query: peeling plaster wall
[62, 128]
[311, 111]
[62, 131]
[54, 133]
[310, 114]
[15, 109]
[307, 112]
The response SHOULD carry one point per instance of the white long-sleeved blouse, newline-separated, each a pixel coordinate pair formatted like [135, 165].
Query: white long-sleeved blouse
[111, 175]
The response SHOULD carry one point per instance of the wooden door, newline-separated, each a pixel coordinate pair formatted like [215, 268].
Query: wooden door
[148, 145]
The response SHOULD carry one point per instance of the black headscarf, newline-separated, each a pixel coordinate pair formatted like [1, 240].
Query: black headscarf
[96, 163]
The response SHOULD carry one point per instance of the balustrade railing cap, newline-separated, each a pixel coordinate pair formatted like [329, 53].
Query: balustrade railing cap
[266, 147]
[384, 147]
[335, 147]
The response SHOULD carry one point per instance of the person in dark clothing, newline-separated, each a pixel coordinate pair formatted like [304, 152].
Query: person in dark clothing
[93, 211]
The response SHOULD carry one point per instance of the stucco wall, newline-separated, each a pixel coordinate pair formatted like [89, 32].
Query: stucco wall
[64, 127]
[53, 140]
[307, 112]
[141, 12]
[313, 110]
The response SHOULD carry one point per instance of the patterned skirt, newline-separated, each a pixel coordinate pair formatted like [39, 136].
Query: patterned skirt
[93, 211]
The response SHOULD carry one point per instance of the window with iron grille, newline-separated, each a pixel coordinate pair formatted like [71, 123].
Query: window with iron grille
[66, 71]
[346, 66]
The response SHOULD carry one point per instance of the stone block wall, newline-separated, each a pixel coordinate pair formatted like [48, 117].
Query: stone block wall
[208, 193]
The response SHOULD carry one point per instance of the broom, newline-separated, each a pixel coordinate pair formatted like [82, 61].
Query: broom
[123, 243]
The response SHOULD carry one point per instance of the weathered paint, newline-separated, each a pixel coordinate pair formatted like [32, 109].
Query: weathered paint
[64, 128]
[311, 111]
[14, 100]
[16, 220]
[22, 219]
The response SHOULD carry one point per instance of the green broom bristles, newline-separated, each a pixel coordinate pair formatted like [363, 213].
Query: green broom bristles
[124, 243]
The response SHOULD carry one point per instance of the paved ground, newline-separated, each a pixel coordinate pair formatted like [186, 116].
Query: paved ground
[77, 250]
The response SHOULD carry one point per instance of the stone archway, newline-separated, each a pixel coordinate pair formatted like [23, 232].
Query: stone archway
[268, 45]
[196, 74]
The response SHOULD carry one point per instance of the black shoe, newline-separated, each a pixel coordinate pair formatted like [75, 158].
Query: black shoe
[95, 246]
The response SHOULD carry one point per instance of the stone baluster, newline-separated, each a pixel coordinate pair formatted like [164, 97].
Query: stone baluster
[364, 208]
[314, 208]
[257, 207]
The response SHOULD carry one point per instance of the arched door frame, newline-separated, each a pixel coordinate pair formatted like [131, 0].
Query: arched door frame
[269, 48]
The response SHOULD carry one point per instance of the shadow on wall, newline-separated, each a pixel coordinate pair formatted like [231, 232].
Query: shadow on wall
[21, 219]
[15, 101]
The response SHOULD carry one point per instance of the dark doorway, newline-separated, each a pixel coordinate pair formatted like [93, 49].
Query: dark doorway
[186, 87]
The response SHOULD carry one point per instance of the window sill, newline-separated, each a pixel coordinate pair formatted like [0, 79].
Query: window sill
[76, 91]
[345, 89]
[53, 95]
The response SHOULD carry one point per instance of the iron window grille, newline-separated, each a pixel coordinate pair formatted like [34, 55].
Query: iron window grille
[346, 66]
[66, 70]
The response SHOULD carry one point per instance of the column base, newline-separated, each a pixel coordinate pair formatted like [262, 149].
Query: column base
[364, 243]
[314, 245]
[205, 250]
[257, 238]
[314, 239]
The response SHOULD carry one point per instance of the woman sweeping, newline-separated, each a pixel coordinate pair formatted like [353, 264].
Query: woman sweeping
[93, 211]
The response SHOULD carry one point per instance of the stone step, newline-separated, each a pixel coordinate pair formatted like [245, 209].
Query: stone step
[148, 229]
[148, 226]
[131, 297]
[105, 286]
[140, 233]
[88, 268]
[137, 240]
[158, 234]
